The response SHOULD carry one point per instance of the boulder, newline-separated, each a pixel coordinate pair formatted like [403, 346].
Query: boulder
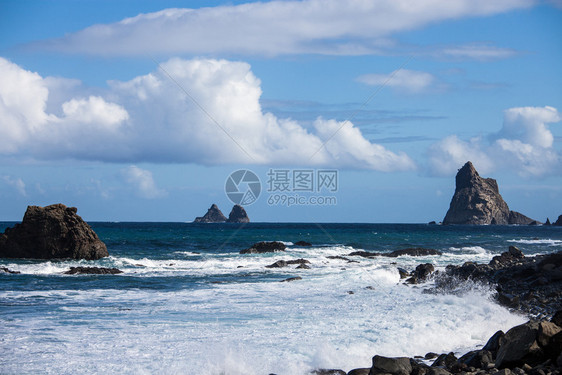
[264, 247]
[421, 273]
[278, 264]
[92, 271]
[477, 359]
[394, 366]
[518, 346]
[359, 371]
[238, 215]
[547, 330]
[493, 343]
[213, 215]
[557, 318]
[445, 361]
[303, 244]
[52, 232]
[477, 201]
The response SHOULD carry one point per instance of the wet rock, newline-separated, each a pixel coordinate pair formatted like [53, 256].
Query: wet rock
[303, 244]
[92, 271]
[364, 254]
[238, 215]
[303, 266]
[52, 232]
[213, 215]
[298, 261]
[547, 330]
[557, 318]
[477, 359]
[278, 264]
[327, 372]
[7, 270]
[518, 346]
[493, 343]
[421, 273]
[445, 360]
[292, 279]
[359, 371]
[394, 366]
[414, 252]
[264, 247]
[403, 273]
[431, 355]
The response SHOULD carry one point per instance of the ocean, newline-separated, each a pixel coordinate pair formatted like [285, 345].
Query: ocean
[189, 303]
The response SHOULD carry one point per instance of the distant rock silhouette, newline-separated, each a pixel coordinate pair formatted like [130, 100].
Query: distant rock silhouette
[213, 215]
[558, 222]
[52, 232]
[477, 200]
[238, 215]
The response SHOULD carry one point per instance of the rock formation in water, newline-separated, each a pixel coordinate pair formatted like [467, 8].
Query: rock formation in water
[238, 215]
[477, 200]
[52, 232]
[264, 247]
[213, 215]
[558, 222]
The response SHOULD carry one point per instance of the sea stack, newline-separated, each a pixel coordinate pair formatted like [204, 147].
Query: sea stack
[477, 200]
[238, 215]
[213, 215]
[52, 232]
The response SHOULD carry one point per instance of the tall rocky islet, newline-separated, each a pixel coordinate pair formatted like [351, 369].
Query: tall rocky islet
[52, 232]
[477, 200]
[215, 215]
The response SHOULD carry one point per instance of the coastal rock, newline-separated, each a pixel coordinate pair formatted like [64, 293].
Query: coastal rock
[323, 371]
[238, 215]
[547, 330]
[445, 360]
[213, 215]
[477, 201]
[477, 359]
[52, 232]
[493, 343]
[303, 244]
[558, 222]
[557, 318]
[421, 273]
[7, 270]
[284, 263]
[519, 345]
[547, 222]
[359, 371]
[394, 366]
[414, 252]
[92, 271]
[264, 247]
[278, 264]
[291, 279]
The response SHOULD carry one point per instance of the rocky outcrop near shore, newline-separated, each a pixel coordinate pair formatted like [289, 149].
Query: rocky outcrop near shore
[558, 222]
[477, 200]
[414, 252]
[52, 232]
[213, 215]
[264, 247]
[238, 215]
[92, 271]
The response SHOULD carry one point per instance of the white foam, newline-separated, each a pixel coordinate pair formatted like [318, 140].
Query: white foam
[537, 242]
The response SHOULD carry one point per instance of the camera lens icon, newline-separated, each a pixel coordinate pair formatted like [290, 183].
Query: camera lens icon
[243, 187]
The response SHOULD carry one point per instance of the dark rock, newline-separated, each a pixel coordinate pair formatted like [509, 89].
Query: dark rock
[414, 252]
[278, 264]
[264, 247]
[445, 360]
[303, 266]
[519, 346]
[477, 201]
[432, 223]
[547, 330]
[303, 244]
[298, 261]
[238, 215]
[547, 222]
[431, 355]
[7, 270]
[364, 254]
[359, 371]
[394, 366]
[421, 273]
[213, 215]
[52, 232]
[557, 318]
[291, 279]
[339, 257]
[403, 273]
[322, 371]
[437, 371]
[477, 359]
[558, 222]
[493, 343]
[92, 271]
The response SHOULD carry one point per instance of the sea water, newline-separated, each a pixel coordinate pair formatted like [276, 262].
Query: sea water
[189, 303]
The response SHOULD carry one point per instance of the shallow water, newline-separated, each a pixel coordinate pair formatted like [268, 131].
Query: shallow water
[188, 302]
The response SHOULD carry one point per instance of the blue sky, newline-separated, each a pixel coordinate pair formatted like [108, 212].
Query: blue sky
[140, 110]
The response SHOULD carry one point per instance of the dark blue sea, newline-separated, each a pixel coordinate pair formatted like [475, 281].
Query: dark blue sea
[189, 303]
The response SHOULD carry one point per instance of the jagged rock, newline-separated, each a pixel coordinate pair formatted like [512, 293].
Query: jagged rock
[283, 263]
[414, 252]
[421, 273]
[213, 215]
[51, 232]
[359, 371]
[394, 366]
[547, 222]
[92, 271]
[477, 359]
[547, 330]
[493, 343]
[303, 244]
[445, 360]
[519, 345]
[264, 247]
[7, 270]
[558, 222]
[238, 215]
[403, 273]
[477, 201]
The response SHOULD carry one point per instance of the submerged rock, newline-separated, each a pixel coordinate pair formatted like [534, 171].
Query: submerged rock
[7, 270]
[92, 271]
[303, 244]
[414, 252]
[477, 200]
[264, 247]
[291, 279]
[238, 215]
[213, 215]
[52, 232]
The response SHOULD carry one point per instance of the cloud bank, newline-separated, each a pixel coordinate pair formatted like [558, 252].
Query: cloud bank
[523, 144]
[331, 27]
[152, 119]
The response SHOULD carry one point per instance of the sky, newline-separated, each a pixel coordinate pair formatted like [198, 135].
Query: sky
[344, 111]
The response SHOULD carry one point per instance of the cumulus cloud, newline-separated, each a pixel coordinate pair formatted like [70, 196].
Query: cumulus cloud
[16, 183]
[524, 144]
[209, 113]
[409, 81]
[143, 182]
[274, 28]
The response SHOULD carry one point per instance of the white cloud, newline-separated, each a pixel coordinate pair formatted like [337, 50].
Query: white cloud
[405, 80]
[143, 182]
[523, 144]
[477, 51]
[16, 183]
[151, 119]
[275, 27]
